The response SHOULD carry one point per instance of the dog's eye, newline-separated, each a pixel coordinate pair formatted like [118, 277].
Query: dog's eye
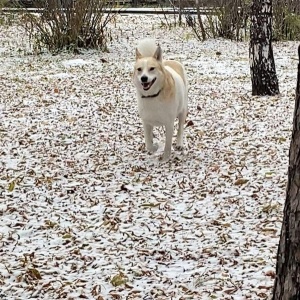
[139, 69]
[151, 69]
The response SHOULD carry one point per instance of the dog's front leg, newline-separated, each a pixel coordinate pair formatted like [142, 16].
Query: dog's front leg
[148, 131]
[168, 144]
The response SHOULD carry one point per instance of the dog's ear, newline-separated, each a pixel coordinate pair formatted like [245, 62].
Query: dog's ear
[158, 53]
[138, 54]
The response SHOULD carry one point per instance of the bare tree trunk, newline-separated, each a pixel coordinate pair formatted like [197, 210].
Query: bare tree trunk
[287, 282]
[262, 65]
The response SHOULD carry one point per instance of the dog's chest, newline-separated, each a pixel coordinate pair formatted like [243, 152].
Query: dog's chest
[153, 111]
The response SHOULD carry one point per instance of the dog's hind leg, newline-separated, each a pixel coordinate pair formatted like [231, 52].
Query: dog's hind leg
[148, 131]
[181, 118]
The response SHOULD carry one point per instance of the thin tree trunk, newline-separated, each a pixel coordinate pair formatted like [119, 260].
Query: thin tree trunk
[262, 65]
[202, 29]
[287, 282]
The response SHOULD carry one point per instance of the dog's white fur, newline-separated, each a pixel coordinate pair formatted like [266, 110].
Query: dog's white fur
[162, 94]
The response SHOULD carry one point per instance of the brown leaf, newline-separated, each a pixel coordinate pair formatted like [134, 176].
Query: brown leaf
[241, 181]
[34, 273]
[124, 188]
[189, 123]
[115, 295]
[11, 186]
[119, 279]
[264, 287]
[230, 291]
[270, 273]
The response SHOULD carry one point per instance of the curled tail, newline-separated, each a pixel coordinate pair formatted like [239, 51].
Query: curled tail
[147, 47]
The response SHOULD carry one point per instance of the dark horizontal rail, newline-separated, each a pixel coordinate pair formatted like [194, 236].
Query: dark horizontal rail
[125, 11]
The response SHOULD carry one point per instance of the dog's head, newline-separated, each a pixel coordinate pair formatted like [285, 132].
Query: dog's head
[148, 72]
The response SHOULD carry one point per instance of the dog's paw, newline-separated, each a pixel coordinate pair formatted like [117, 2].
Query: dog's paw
[165, 157]
[153, 148]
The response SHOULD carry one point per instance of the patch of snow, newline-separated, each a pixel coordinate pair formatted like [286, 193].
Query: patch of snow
[75, 62]
[81, 201]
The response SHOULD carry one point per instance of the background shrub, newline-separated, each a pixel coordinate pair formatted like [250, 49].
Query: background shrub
[286, 20]
[226, 19]
[7, 18]
[69, 24]
[230, 19]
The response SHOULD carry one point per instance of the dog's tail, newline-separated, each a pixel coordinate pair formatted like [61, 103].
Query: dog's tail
[147, 47]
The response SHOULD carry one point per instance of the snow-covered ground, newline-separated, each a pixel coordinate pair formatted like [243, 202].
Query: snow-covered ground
[85, 213]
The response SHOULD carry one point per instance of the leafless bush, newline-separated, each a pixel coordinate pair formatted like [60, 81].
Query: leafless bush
[69, 24]
[286, 20]
[227, 19]
[230, 19]
[6, 18]
[3, 3]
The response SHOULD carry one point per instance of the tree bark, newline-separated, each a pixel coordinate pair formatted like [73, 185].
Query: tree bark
[262, 65]
[287, 282]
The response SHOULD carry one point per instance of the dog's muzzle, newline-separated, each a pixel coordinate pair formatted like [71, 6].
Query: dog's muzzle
[146, 85]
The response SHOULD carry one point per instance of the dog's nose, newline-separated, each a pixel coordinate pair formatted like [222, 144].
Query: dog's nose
[144, 78]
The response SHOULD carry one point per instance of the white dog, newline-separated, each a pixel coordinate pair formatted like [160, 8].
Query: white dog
[162, 94]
